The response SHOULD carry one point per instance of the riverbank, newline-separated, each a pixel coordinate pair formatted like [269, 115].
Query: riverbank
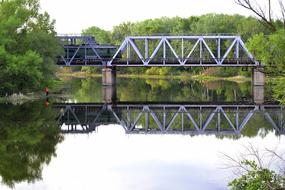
[19, 98]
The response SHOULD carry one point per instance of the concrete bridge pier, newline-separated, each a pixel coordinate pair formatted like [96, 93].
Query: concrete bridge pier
[109, 94]
[258, 82]
[108, 76]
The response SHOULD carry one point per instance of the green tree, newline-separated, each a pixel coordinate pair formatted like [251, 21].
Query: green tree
[28, 47]
[120, 32]
[28, 138]
[101, 36]
[257, 178]
[269, 50]
[278, 89]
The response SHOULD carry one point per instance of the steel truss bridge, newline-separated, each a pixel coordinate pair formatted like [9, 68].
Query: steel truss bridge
[189, 118]
[186, 51]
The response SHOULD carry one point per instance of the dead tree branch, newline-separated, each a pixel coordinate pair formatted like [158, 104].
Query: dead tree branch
[259, 12]
[282, 12]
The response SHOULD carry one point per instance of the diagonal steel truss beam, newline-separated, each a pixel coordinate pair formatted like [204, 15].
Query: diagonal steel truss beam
[200, 45]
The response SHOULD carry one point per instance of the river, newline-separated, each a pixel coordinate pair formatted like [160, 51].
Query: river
[141, 134]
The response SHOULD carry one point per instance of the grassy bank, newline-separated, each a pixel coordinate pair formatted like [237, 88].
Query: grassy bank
[19, 98]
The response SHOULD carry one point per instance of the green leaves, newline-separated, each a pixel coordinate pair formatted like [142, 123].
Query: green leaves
[101, 36]
[28, 138]
[270, 50]
[28, 47]
[257, 178]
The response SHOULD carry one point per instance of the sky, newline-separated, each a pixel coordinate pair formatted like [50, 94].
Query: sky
[110, 159]
[73, 16]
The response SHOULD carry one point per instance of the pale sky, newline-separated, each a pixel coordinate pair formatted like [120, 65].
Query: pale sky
[109, 159]
[73, 16]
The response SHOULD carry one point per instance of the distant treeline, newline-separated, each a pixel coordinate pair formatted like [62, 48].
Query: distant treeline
[205, 24]
[249, 28]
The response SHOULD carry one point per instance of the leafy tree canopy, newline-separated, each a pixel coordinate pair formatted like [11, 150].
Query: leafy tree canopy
[28, 138]
[28, 46]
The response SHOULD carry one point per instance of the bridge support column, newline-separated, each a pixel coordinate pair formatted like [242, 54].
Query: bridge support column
[258, 77]
[109, 76]
[109, 94]
[258, 82]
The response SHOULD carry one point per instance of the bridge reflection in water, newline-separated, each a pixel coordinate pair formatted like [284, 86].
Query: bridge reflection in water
[176, 118]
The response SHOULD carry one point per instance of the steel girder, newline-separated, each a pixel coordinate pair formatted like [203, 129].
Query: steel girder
[188, 51]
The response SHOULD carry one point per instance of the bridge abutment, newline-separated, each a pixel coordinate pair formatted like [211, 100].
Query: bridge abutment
[258, 82]
[108, 76]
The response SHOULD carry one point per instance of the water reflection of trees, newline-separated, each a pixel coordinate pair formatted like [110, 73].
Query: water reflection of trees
[28, 139]
[90, 90]
[176, 90]
[278, 89]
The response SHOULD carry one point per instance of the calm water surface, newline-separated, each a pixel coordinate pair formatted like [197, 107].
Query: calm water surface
[143, 134]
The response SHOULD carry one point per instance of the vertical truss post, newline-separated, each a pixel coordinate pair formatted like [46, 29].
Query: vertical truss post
[146, 50]
[86, 118]
[237, 50]
[128, 51]
[182, 50]
[200, 119]
[67, 53]
[85, 55]
[201, 50]
[129, 117]
[164, 51]
[281, 118]
[237, 118]
[164, 118]
[182, 121]
[146, 120]
[68, 115]
[219, 121]
[219, 50]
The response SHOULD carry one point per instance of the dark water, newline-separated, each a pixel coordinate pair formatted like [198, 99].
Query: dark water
[141, 134]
